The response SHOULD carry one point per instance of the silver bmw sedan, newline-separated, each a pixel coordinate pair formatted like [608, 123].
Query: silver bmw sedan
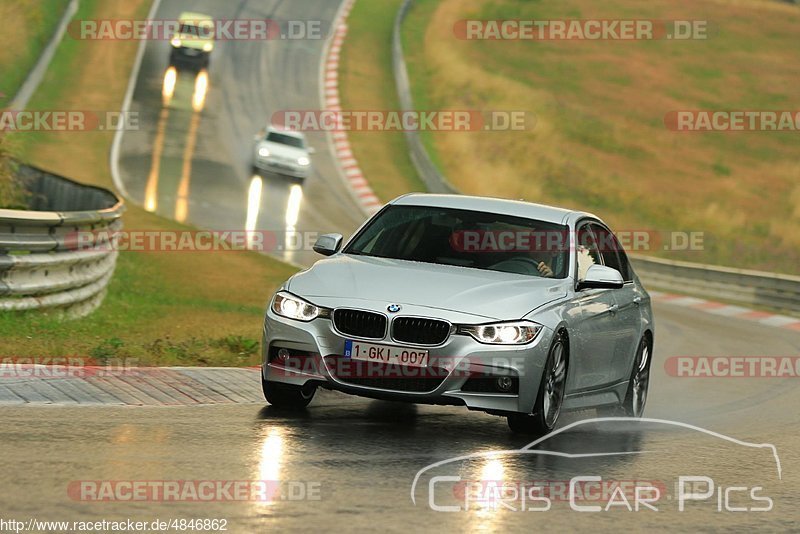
[512, 308]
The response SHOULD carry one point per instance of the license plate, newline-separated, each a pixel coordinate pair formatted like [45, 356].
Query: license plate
[370, 352]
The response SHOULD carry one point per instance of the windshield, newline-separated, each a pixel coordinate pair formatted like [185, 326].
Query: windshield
[464, 238]
[284, 139]
[192, 30]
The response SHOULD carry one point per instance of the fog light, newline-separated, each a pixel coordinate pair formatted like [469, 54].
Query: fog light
[504, 384]
[283, 355]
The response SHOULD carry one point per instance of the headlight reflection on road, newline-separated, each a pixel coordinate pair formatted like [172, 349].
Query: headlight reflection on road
[168, 87]
[198, 101]
[253, 207]
[292, 240]
[493, 471]
[491, 481]
[151, 189]
[200, 90]
[182, 199]
[293, 206]
[271, 454]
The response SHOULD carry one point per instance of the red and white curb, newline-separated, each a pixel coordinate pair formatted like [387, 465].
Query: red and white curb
[728, 310]
[354, 178]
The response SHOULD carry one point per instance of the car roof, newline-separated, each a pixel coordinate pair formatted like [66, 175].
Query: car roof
[516, 208]
[189, 16]
[291, 133]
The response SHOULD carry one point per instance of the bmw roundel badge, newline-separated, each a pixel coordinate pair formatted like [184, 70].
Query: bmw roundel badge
[393, 308]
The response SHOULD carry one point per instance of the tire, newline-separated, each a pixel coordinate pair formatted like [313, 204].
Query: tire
[286, 395]
[638, 385]
[550, 396]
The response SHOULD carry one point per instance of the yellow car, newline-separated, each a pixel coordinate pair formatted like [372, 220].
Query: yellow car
[193, 42]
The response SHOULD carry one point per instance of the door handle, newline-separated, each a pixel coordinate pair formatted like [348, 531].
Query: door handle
[613, 309]
[637, 300]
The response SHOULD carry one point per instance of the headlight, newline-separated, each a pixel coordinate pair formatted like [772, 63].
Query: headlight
[263, 152]
[518, 333]
[208, 47]
[175, 42]
[292, 307]
[302, 160]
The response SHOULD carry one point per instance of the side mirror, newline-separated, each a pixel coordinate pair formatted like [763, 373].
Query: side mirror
[312, 150]
[601, 277]
[328, 244]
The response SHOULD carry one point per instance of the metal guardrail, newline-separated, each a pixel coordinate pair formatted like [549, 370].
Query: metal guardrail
[753, 288]
[41, 265]
[434, 181]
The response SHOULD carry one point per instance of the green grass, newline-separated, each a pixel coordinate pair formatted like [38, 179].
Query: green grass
[147, 318]
[600, 143]
[366, 82]
[52, 92]
[412, 38]
[161, 308]
[28, 27]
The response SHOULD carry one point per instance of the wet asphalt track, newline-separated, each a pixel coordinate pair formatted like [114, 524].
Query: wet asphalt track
[357, 458]
[196, 166]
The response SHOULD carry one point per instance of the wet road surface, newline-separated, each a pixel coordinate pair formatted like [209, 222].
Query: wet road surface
[191, 160]
[349, 463]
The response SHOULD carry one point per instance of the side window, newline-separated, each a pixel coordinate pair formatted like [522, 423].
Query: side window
[613, 254]
[586, 251]
[624, 264]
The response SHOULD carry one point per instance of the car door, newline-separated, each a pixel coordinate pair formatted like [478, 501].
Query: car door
[629, 297]
[597, 329]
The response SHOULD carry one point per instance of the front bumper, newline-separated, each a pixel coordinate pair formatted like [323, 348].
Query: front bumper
[456, 361]
[185, 55]
[287, 169]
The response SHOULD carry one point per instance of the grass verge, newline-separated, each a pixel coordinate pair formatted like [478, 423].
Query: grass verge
[162, 308]
[366, 82]
[599, 142]
[28, 26]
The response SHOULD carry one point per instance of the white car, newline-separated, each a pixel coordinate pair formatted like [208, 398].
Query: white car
[283, 152]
